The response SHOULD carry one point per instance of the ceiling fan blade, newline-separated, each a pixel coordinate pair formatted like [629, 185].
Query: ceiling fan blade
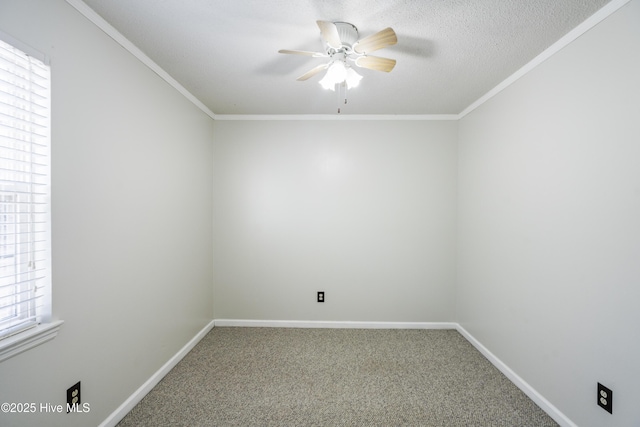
[376, 63]
[303, 52]
[330, 34]
[313, 72]
[384, 38]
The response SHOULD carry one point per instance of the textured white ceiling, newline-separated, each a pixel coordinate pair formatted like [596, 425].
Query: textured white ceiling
[449, 52]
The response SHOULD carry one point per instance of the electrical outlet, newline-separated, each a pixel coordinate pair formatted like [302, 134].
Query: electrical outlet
[605, 398]
[73, 396]
[320, 296]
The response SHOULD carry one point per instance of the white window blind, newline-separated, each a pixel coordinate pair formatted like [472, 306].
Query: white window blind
[25, 294]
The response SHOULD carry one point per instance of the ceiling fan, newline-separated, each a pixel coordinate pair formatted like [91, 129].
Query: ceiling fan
[343, 47]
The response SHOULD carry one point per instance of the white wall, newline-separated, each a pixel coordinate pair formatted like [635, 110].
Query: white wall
[132, 209]
[363, 210]
[549, 229]
[547, 206]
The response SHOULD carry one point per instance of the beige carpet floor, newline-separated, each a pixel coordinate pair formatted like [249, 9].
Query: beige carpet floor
[335, 377]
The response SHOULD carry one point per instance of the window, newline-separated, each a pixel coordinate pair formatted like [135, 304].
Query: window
[25, 291]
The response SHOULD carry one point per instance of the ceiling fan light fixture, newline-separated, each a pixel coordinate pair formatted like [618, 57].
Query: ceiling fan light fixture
[339, 73]
[327, 85]
[342, 43]
[336, 74]
[353, 78]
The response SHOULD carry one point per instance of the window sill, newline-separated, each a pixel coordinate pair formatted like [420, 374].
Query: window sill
[30, 338]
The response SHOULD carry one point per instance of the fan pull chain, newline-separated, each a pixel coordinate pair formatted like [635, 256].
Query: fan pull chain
[344, 86]
[341, 87]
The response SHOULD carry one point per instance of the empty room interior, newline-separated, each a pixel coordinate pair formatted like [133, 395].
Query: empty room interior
[484, 176]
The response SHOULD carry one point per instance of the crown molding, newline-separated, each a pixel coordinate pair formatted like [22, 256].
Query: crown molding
[568, 38]
[92, 16]
[377, 117]
[572, 35]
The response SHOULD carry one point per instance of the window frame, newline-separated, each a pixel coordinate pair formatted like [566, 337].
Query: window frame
[45, 328]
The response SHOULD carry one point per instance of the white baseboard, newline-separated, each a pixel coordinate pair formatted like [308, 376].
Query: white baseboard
[526, 388]
[145, 388]
[137, 396]
[333, 324]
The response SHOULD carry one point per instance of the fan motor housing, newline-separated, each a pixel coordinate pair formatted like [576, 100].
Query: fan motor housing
[348, 35]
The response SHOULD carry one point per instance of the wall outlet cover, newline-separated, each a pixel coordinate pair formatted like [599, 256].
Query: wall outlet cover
[320, 296]
[605, 398]
[73, 396]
